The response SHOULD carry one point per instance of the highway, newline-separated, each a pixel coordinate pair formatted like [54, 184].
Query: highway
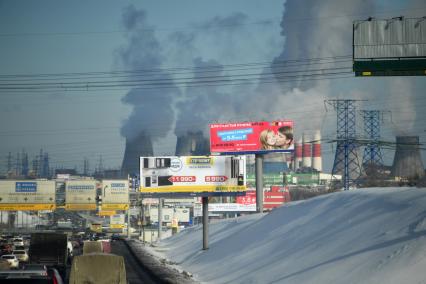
[135, 271]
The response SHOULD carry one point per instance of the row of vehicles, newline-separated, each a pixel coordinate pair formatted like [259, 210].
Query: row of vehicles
[56, 258]
[13, 251]
[42, 258]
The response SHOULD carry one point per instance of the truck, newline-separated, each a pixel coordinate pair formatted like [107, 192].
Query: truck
[49, 249]
[98, 268]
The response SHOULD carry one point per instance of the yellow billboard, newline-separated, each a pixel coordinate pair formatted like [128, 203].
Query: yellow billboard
[107, 212]
[27, 195]
[80, 195]
[115, 206]
[116, 226]
[193, 174]
[115, 194]
[27, 207]
[80, 207]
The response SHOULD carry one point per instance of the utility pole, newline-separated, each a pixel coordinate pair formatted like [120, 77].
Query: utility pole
[372, 151]
[346, 161]
[259, 182]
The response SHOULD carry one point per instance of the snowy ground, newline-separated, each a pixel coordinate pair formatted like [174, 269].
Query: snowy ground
[374, 235]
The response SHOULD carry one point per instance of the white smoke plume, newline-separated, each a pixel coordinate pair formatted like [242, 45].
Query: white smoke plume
[152, 112]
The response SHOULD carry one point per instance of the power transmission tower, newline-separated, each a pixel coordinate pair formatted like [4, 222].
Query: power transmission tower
[86, 167]
[346, 161]
[372, 152]
[9, 163]
[25, 166]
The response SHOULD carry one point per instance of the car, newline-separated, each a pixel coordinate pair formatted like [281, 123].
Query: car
[18, 242]
[31, 274]
[12, 259]
[115, 237]
[18, 247]
[22, 255]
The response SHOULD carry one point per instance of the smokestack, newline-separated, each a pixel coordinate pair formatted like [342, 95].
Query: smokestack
[139, 146]
[298, 154]
[306, 152]
[192, 144]
[316, 152]
[407, 162]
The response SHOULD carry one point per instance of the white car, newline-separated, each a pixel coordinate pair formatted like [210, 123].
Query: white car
[18, 241]
[21, 255]
[12, 259]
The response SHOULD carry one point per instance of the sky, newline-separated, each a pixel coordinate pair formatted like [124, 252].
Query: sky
[106, 70]
[374, 235]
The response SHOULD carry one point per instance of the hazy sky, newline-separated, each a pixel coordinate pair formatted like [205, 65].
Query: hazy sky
[59, 42]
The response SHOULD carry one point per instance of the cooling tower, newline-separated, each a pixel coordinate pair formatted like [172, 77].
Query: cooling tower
[298, 154]
[316, 152]
[140, 146]
[306, 152]
[192, 144]
[407, 162]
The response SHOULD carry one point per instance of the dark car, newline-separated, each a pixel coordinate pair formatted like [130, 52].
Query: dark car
[115, 237]
[34, 274]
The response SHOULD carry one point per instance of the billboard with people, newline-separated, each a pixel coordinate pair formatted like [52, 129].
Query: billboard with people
[252, 137]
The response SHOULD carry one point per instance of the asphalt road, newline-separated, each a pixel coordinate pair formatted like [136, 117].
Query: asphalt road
[135, 272]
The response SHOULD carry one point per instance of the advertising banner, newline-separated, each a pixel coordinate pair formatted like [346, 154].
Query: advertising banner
[231, 207]
[115, 194]
[169, 214]
[192, 174]
[27, 195]
[80, 195]
[252, 137]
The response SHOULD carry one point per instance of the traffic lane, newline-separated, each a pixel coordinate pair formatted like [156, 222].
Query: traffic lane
[135, 272]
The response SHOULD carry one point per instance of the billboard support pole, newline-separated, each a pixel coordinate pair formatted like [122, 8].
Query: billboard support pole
[142, 219]
[128, 223]
[160, 217]
[259, 182]
[205, 222]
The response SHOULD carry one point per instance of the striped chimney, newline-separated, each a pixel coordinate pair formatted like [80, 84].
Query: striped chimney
[316, 152]
[306, 152]
[298, 154]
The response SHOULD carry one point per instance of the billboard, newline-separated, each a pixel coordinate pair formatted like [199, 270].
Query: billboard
[80, 195]
[117, 221]
[115, 195]
[231, 207]
[168, 214]
[193, 174]
[252, 137]
[389, 47]
[27, 195]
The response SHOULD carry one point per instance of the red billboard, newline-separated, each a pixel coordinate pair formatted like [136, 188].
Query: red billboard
[252, 137]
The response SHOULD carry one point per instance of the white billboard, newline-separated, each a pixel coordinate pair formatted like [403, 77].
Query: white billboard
[80, 195]
[115, 194]
[181, 214]
[231, 207]
[27, 195]
[193, 174]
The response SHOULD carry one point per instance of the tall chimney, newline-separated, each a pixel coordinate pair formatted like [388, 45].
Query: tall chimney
[139, 146]
[316, 152]
[306, 152]
[298, 154]
[407, 162]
